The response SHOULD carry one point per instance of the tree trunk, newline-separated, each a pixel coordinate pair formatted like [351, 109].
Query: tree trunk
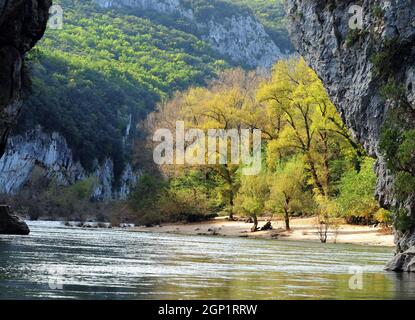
[324, 139]
[231, 197]
[231, 218]
[287, 221]
[313, 170]
[287, 212]
[255, 226]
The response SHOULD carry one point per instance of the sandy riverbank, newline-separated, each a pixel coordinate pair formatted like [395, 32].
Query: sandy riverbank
[302, 230]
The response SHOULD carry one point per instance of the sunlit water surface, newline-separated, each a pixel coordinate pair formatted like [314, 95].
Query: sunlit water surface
[71, 263]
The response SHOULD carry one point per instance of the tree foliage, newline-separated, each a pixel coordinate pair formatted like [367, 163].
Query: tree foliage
[357, 189]
[288, 191]
[252, 195]
[93, 79]
[311, 164]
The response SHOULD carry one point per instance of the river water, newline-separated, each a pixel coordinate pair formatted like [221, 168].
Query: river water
[72, 263]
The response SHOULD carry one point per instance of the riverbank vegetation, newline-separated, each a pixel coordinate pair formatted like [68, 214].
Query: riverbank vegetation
[310, 164]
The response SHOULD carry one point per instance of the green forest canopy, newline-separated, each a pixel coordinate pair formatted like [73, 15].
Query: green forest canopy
[103, 66]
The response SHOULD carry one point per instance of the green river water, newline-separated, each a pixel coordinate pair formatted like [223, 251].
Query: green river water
[57, 262]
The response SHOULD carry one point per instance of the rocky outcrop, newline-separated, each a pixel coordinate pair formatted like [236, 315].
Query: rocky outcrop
[11, 224]
[243, 39]
[107, 188]
[403, 261]
[236, 34]
[35, 148]
[22, 24]
[343, 58]
[51, 153]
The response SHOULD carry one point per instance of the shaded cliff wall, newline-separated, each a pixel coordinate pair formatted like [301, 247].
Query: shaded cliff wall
[22, 24]
[51, 152]
[344, 58]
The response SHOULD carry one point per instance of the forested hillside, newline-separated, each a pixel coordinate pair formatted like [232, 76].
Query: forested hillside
[107, 68]
[102, 68]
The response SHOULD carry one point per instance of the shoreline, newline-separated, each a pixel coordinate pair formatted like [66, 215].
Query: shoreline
[302, 229]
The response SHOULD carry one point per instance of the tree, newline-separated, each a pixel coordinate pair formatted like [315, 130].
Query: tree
[146, 198]
[252, 196]
[219, 106]
[308, 124]
[356, 199]
[288, 193]
[327, 216]
[307, 147]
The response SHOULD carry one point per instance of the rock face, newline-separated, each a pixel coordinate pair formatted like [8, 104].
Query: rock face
[11, 224]
[237, 35]
[403, 261]
[51, 153]
[22, 24]
[320, 30]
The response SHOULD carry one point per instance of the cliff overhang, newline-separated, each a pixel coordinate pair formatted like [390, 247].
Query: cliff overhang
[22, 24]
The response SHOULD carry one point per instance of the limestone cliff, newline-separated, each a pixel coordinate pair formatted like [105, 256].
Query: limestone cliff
[51, 153]
[354, 64]
[235, 34]
[22, 23]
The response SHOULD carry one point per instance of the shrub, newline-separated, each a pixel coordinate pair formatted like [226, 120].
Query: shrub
[183, 198]
[392, 90]
[388, 60]
[353, 36]
[402, 220]
[377, 12]
[356, 200]
[384, 217]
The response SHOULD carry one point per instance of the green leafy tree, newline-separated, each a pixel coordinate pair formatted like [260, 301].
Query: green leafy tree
[288, 192]
[252, 196]
[357, 189]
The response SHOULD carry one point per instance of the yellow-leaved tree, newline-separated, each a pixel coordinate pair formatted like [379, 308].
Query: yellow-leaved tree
[251, 198]
[288, 192]
[219, 106]
[309, 123]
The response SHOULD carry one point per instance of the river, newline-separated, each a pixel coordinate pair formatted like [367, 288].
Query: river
[58, 262]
